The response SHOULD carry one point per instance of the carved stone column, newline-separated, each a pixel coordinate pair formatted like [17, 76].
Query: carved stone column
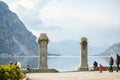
[43, 41]
[84, 54]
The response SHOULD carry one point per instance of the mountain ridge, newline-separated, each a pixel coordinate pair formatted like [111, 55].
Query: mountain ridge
[112, 50]
[14, 34]
[17, 40]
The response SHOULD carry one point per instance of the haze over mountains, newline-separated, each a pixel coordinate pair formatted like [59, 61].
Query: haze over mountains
[15, 39]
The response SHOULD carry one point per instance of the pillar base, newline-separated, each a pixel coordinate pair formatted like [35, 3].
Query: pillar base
[43, 68]
[82, 69]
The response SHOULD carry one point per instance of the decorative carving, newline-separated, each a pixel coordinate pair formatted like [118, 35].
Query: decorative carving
[84, 45]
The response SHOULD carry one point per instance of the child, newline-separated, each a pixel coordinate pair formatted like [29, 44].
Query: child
[100, 68]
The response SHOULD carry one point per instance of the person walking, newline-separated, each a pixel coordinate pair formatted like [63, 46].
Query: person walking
[100, 68]
[111, 61]
[117, 62]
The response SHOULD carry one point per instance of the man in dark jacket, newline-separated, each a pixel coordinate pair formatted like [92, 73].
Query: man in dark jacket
[111, 61]
[117, 62]
[95, 64]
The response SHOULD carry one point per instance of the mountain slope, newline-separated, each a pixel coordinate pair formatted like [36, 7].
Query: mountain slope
[15, 39]
[112, 50]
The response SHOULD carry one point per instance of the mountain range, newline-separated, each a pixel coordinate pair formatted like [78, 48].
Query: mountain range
[15, 39]
[112, 50]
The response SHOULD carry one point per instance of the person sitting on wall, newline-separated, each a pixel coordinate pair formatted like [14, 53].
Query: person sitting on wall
[10, 63]
[16, 63]
[95, 65]
[28, 68]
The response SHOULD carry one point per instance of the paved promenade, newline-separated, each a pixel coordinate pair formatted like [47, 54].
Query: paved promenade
[95, 75]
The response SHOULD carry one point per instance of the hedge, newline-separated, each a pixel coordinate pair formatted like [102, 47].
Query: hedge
[10, 72]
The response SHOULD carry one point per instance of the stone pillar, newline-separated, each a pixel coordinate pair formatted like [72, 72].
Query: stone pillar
[84, 55]
[43, 41]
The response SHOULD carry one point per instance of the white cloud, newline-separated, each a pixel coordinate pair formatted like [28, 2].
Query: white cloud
[27, 11]
[88, 19]
[97, 20]
[60, 14]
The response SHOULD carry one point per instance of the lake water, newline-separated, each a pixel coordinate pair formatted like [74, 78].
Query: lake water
[61, 63]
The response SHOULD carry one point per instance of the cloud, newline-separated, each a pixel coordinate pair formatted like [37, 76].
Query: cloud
[91, 19]
[99, 21]
[60, 14]
[28, 11]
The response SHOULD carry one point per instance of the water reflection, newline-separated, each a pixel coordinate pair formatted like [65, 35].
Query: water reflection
[61, 63]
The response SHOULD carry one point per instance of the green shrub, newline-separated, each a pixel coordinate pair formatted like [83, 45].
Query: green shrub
[10, 72]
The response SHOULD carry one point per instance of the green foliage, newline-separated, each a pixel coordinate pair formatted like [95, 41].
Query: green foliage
[10, 72]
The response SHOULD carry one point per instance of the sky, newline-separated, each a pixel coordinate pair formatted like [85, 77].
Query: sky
[98, 20]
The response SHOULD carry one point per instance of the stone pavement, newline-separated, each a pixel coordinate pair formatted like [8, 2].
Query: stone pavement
[93, 75]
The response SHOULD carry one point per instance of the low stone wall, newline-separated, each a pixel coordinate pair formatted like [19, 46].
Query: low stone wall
[40, 71]
[105, 68]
